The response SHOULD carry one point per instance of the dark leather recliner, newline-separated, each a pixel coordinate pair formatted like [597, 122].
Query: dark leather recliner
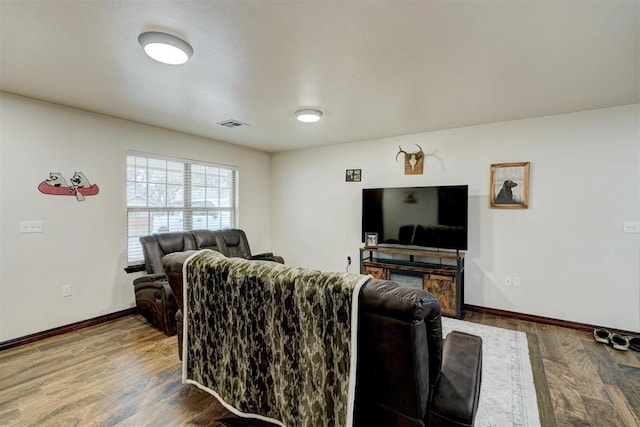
[405, 234]
[206, 239]
[234, 243]
[172, 264]
[154, 298]
[406, 374]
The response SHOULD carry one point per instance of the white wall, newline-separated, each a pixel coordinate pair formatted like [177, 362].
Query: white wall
[84, 244]
[568, 247]
[574, 261]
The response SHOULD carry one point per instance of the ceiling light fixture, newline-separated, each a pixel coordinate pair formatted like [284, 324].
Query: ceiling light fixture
[308, 115]
[165, 48]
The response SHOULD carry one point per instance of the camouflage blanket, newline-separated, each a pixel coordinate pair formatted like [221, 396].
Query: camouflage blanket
[272, 342]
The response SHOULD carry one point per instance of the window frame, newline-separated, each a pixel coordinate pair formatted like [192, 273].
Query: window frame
[196, 175]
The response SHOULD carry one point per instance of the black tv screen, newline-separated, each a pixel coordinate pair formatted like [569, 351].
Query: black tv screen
[430, 217]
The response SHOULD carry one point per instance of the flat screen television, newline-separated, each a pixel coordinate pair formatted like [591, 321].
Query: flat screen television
[425, 217]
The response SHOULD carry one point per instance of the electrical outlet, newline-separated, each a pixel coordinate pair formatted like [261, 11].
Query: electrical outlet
[508, 281]
[348, 260]
[66, 290]
[516, 281]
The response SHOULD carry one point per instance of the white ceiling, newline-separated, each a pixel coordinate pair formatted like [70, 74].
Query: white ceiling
[376, 68]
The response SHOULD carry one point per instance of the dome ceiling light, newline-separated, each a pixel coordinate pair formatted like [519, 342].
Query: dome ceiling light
[308, 115]
[165, 48]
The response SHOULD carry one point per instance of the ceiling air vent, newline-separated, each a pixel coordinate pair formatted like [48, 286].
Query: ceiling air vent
[232, 123]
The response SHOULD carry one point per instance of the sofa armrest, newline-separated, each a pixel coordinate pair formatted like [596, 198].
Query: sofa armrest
[454, 401]
[172, 264]
[267, 256]
[264, 255]
[156, 277]
[161, 285]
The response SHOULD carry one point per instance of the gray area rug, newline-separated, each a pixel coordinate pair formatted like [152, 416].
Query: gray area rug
[507, 393]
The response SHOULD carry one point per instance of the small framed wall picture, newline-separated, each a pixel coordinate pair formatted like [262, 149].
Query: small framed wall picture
[370, 240]
[509, 185]
[354, 175]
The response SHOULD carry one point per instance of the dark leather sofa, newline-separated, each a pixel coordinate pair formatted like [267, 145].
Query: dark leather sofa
[407, 375]
[154, 297]
[431, 236]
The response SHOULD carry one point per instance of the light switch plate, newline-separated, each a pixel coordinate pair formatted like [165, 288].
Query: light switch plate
[31, 226]
[631, 227]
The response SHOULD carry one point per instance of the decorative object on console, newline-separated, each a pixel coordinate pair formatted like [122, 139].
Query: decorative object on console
[413, 162]
[354, 175]
[509, 185]
[80, 186]
[371, 240]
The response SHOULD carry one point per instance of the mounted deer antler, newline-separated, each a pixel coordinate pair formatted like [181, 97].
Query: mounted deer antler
[413, 162]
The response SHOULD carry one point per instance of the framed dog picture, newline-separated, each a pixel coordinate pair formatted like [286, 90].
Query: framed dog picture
[509, 186]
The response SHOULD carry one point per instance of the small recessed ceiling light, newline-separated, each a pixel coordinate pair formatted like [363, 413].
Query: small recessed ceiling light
[308, 115]
[165, 48]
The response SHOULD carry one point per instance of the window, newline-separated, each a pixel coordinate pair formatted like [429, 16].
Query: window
[167, 194]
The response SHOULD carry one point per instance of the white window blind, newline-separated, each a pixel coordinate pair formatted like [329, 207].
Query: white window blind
[169, 194]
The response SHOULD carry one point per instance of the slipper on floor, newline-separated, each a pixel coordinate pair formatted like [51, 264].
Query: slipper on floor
[619, 342]
[602, 335]
[634, 343]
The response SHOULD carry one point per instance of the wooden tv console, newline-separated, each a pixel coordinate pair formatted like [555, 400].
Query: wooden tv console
[430, 269]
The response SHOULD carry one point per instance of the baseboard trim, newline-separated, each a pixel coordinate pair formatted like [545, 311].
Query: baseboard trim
[540, 319]
[66, 328]
[16, 342]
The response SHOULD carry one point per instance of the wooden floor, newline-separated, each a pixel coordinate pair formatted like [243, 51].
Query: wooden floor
[126, 373]
[579, 382]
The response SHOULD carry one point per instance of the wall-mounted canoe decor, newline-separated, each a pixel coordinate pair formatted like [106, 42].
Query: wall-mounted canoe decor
[56, 185]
